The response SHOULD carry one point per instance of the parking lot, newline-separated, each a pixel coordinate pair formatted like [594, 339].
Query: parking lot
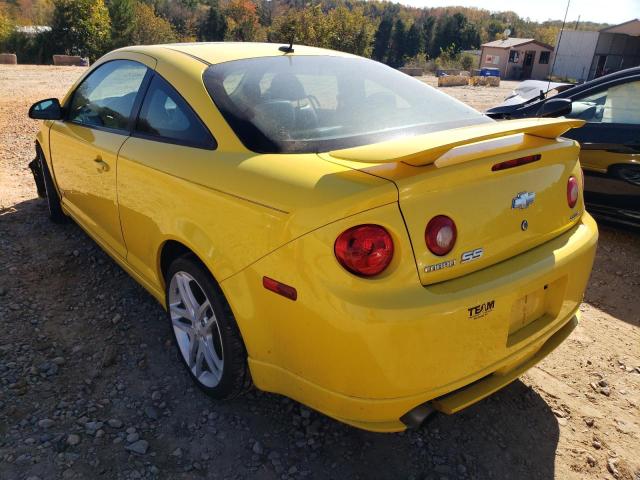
[91, 386]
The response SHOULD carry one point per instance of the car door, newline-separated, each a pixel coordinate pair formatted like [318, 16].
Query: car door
[168, 144]
[612, 132]
[85, 144]
[610, 148]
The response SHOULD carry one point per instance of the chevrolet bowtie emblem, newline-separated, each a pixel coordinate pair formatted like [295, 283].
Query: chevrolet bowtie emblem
[523, 200]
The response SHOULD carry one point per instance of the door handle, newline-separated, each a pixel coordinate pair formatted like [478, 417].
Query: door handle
[102, 165]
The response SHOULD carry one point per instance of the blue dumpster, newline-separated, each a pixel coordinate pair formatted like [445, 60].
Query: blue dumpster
[489, 72]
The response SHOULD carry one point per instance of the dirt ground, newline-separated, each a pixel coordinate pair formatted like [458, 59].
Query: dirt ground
[91, 387]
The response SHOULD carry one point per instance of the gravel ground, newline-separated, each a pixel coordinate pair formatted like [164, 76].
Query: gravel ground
[91, 386]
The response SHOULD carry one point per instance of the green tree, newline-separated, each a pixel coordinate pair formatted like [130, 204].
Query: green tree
[183, 17]
[398, 44]
[495, 29]
[455, 30]
[349, 31]
[80, 27]
[265, 13]
[469, 37]
[414, 41]
[382, 39]
[150, 28]
[428, 29]
[467, 61]
[340, 29]
[303, 26]
[242, 20]
[214, 26]
[123, 22]
[6, 26]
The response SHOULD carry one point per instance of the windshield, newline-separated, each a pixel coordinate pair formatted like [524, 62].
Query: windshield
[320, 103]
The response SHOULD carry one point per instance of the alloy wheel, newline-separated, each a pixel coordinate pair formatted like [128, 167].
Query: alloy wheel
[196, 329]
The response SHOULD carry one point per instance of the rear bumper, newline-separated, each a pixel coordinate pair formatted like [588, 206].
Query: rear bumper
[466, 396]
[358, 409]
[368, 360]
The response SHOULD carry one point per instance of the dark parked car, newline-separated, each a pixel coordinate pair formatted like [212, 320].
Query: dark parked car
[610, 140]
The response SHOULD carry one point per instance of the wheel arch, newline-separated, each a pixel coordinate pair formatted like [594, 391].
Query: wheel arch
[42, 147]
[172, 249]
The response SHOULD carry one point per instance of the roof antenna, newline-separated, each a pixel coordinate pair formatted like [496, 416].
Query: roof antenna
[558, 45]
[288, 49]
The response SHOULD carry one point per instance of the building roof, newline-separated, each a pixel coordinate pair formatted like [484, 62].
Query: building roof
[632, 27]
[514, 42]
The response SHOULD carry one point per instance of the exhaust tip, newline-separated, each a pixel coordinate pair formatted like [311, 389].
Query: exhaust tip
[415, 417]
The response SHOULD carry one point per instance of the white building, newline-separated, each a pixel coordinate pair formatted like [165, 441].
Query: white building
[584, 55]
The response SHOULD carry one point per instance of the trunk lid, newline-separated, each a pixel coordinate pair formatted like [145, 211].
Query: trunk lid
[498, 214]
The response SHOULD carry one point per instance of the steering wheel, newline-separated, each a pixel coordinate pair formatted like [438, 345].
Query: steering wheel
[313, 100]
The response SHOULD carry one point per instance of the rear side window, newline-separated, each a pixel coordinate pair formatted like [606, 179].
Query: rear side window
[166, 116]
[106, 97]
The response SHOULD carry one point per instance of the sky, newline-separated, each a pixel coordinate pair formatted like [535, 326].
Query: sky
[601, 11]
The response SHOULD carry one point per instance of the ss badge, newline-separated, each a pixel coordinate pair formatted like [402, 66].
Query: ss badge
[471, 255]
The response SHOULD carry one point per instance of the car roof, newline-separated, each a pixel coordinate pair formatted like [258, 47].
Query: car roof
[218, 52]
[620, 74]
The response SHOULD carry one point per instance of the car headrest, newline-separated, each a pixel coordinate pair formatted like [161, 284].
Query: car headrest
[286, 86]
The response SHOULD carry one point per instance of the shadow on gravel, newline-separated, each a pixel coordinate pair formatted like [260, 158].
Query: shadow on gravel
[87, 349]
[513, 434]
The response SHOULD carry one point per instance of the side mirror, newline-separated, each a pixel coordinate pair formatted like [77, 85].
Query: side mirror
[48, 109]
[555, 107]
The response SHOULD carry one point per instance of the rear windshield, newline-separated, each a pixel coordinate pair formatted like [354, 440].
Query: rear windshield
[304, 104]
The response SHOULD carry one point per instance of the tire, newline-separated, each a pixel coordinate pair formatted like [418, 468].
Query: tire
[56, 215]
[204, 330]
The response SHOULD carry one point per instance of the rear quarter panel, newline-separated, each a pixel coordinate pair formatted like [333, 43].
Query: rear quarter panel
[230, 208]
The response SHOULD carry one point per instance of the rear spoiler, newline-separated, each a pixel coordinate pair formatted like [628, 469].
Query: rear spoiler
[427, 148]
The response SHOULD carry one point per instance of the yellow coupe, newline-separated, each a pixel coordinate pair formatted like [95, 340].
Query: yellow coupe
[324, 226]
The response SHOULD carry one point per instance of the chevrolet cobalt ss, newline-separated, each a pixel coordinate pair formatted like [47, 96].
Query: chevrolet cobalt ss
[324, 226]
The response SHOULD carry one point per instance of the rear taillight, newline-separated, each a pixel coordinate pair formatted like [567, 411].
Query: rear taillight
[440, 235]
[516, 162]
[365, 250]
[573, 190]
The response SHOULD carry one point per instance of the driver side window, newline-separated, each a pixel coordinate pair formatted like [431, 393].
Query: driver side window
[105, 98]
[617, 104]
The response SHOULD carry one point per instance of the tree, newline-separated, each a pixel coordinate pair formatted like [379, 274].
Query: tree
[242, 20]
[455, 30]
[547, 34]
[123, 22]
[469, 37]
[495, 29]
[382, 39]
[414, 41]
[340, 29]
[349, 31]
[150, 28]
[428, 29]
[182, 15]
[265, 13]
[398, 44]
[307, 26]
[80, 27]
[6, 26]
[214, 26]
[467, 61]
